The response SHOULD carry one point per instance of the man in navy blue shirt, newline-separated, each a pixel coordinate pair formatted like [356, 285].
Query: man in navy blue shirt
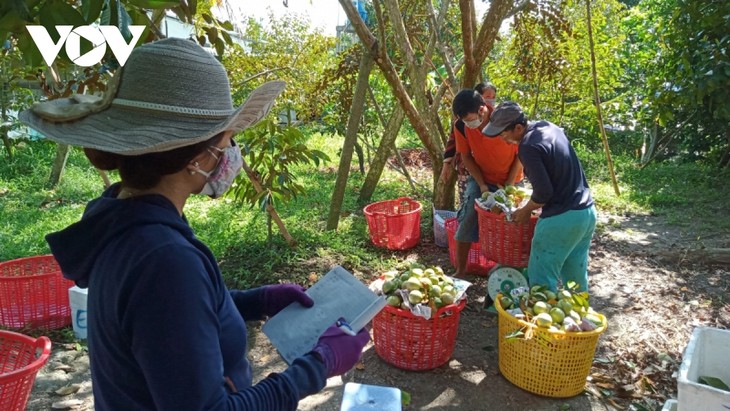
[564, 231]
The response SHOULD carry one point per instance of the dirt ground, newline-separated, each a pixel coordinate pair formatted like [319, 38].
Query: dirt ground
[650, 279]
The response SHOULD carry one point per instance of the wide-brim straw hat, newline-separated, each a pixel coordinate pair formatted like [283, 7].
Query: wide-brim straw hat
[171, 93]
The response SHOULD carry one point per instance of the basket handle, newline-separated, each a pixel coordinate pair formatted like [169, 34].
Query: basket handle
[43, 344]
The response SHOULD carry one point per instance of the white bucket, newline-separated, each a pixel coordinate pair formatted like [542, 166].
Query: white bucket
[77, 299]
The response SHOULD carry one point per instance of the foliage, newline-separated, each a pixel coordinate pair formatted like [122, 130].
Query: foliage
[273, 152]
[283, 49]
[545, 66]
[14, 97]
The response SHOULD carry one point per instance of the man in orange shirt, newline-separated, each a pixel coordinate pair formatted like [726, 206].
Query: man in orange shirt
[491, 163]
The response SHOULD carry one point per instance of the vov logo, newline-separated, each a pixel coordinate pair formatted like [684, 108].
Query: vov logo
[98, 36]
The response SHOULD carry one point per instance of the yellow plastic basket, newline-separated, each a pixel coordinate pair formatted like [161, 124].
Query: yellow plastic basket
[551, 363]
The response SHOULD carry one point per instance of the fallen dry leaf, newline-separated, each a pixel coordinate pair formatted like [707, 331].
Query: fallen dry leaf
[69, 389]
[66, 404]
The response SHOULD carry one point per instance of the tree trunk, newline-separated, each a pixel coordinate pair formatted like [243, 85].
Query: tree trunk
[358, 105]
[387, 143]
[62, 151]
[597, 99]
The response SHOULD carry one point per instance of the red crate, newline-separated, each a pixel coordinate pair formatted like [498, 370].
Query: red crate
[34, 294]
[476, 262]
[20, 359]
[394, 224]
[414, 343]
[503, 241]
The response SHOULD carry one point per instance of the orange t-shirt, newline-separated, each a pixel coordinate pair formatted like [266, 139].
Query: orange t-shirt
[493, 156]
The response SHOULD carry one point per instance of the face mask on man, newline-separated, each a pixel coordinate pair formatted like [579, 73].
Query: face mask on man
[220, 179]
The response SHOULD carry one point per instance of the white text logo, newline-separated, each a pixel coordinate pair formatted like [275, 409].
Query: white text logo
[98, 36]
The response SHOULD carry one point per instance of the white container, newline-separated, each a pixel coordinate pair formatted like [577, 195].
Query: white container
[363, 397]
[77, 299]
[670, 405]
[707, 354]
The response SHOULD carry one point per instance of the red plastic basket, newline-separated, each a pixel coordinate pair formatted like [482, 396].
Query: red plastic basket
[34, 294]
[394, 224]
[503, 241]
[20, 359]
[476, 262]
[415, 343]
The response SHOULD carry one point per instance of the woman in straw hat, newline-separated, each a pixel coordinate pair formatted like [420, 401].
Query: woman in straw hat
[163, 331]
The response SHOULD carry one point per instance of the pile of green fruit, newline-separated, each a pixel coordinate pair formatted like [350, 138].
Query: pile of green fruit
[567, 310]
[419, 285]
[510, 198]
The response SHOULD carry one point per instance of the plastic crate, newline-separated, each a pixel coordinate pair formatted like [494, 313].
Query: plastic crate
[20, 359]
[411, 342]
[34, 294]
[394, 224]
[551, 363]
[476, 262]
[706, 355]
[503, 241]
[440, 237]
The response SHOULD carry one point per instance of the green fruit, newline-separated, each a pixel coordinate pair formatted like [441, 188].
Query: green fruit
[595, 319]
[417, 271]
[415, 297]
[429, 272]
[565, 294]
[447, 298]
[485, 195]
[437, 302]
[550, 295]
[435, 291]
[557, 314]
[540, 296]
[510, 190]
[439, 270]
[575, 316]
[412, 283]
[505, 303]
[405, 276]
[540, 307]
[390, 275]
[389, 286]
[543, 320]
[565, 305]
[393, 301]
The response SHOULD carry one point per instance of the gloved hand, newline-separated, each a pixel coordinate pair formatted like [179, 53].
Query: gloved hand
[339, 351]
[277, 297]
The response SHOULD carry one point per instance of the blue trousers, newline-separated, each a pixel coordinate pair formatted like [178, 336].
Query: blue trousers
[468, 231]
[560, 249]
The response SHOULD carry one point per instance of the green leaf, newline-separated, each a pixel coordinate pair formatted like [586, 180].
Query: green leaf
[56, 13]
[714, 382]
[154, 4]
[90, 10]
[405, 398]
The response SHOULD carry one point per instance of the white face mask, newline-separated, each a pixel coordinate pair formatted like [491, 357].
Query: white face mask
[220, 179]
[472, 123]
[490, 101]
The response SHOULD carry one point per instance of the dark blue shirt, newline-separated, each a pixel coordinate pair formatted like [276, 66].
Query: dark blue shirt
[553, 168]
[164, 332]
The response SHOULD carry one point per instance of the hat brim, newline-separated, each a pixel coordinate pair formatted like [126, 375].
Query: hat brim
[130, 131]
[492, 131]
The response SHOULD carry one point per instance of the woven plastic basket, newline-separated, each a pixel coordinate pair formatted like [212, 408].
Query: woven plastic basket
[476, 262]
[394, 224]
[20, 359]
[440, 237]
[551, 363]
[34, 294]
[413, 343]
[503, 241]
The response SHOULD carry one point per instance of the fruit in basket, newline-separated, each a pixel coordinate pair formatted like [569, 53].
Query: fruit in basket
[543, 320]
[568, 309]
[419, 285]
[393, 300]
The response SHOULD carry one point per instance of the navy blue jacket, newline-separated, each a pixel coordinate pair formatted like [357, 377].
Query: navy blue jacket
[553, 168]
[164, 332]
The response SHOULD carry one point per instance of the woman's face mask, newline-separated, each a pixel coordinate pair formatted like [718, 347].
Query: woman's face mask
[219, 180]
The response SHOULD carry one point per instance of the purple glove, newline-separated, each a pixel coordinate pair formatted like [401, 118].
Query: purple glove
[277, 297]
[339, 351]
